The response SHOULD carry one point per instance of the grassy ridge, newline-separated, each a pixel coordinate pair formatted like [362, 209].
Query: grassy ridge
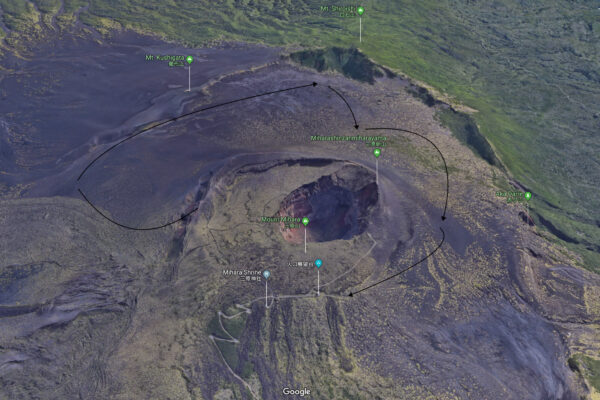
[465, 129]
[351, 62]
[587, 367]
[531, 69]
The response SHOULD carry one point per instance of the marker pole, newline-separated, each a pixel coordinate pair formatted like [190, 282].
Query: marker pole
[189, 78]
[360, 21]
[304, 240]
[527, 197]
[377, 153]
[305, 222]
[266, 274]
[318, 263]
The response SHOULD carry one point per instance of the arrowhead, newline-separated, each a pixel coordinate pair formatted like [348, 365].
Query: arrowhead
[350, 294]
[443, 217]
[314, 83]
[355, 126]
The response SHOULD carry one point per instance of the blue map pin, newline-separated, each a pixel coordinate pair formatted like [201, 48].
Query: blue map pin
[266, 273]
[318, 262]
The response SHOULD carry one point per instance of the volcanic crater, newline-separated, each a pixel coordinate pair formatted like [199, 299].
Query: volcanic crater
[338, 205]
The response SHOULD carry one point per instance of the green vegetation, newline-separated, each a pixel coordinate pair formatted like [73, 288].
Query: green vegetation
[229, 352]
[424, 155]
[588, 367]
[18, 16]
[72, 5]
[236, 325]
[350, 62]
[350, 396]
[530, 69]
[213, 328]
[423, 94]
[465, 129]
[247, 370]
[47, 6]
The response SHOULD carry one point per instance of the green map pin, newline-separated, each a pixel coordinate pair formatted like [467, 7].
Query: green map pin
[189, 59]
[527, 195]
[360, 10]
[377, 152]
[305, 221]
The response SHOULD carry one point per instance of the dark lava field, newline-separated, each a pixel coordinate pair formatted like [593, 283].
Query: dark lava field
[96, 304]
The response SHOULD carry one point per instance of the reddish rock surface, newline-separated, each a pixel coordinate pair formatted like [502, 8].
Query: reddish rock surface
[337, 205]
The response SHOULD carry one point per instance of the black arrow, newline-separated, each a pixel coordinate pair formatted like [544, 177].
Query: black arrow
[438, 150]
[184, 216]
[405, 269]
[187, 115]
[349, 108]
[156, 126]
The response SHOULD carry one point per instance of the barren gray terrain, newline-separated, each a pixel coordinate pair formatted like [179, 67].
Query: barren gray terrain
[90, 309]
